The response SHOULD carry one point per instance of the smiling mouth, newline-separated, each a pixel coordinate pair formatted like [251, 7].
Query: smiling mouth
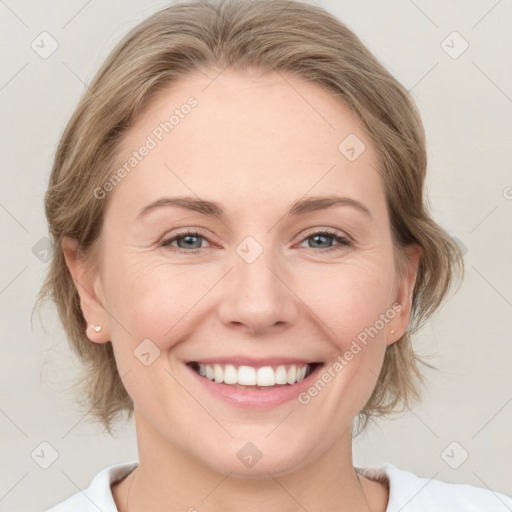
[250, 377]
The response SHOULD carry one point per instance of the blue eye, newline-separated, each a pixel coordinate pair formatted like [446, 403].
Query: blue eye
[321, 236]
[188, 236]
[192, 241]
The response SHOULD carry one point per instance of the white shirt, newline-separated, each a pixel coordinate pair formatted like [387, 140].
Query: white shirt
[407, 493]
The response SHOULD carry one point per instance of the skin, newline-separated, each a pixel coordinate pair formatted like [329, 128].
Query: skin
[255, 144]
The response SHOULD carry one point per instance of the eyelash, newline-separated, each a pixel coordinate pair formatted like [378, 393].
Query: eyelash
[343, 241]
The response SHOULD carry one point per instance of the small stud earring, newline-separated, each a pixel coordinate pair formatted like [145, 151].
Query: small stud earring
[96, 328]
[393, 331]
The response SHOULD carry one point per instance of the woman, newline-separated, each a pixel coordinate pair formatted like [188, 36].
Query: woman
[243, 254]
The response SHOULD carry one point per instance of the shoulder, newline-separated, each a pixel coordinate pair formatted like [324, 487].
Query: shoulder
[411, 493]
[98, 496]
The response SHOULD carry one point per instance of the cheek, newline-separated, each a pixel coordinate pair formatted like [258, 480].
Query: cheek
[153, 299]
[352, 300]
[355, 310]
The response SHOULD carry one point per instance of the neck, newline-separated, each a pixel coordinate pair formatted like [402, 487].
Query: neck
[168, 479]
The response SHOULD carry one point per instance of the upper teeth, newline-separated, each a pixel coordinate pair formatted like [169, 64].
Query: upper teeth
[250, 376]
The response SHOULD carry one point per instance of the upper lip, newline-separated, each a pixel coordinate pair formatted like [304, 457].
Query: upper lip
[252, 361]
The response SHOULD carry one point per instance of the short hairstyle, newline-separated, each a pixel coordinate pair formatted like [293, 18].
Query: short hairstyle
[267, 36]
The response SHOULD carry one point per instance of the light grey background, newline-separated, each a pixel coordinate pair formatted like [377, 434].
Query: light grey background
[466, 104]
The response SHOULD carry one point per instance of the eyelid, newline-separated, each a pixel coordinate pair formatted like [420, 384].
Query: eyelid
[166, 240]
[332, 231]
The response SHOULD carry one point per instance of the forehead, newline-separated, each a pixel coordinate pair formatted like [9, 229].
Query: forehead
[240, 136]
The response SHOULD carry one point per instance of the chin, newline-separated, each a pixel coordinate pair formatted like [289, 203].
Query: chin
[260, 469]
[255, 460]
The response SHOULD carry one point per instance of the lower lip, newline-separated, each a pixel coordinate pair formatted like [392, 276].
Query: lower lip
[256, 398]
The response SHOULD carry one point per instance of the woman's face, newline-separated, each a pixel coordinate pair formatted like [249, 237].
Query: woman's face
[260, 283]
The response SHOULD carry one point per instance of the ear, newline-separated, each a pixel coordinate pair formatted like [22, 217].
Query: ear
[402, 302]
[88, 285]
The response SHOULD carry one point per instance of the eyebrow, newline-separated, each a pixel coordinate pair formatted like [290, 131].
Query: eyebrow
[211, 208]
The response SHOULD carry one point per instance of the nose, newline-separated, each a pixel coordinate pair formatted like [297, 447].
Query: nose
[258, 295]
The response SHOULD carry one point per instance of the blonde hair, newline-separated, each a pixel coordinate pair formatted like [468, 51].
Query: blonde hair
[266, 35]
